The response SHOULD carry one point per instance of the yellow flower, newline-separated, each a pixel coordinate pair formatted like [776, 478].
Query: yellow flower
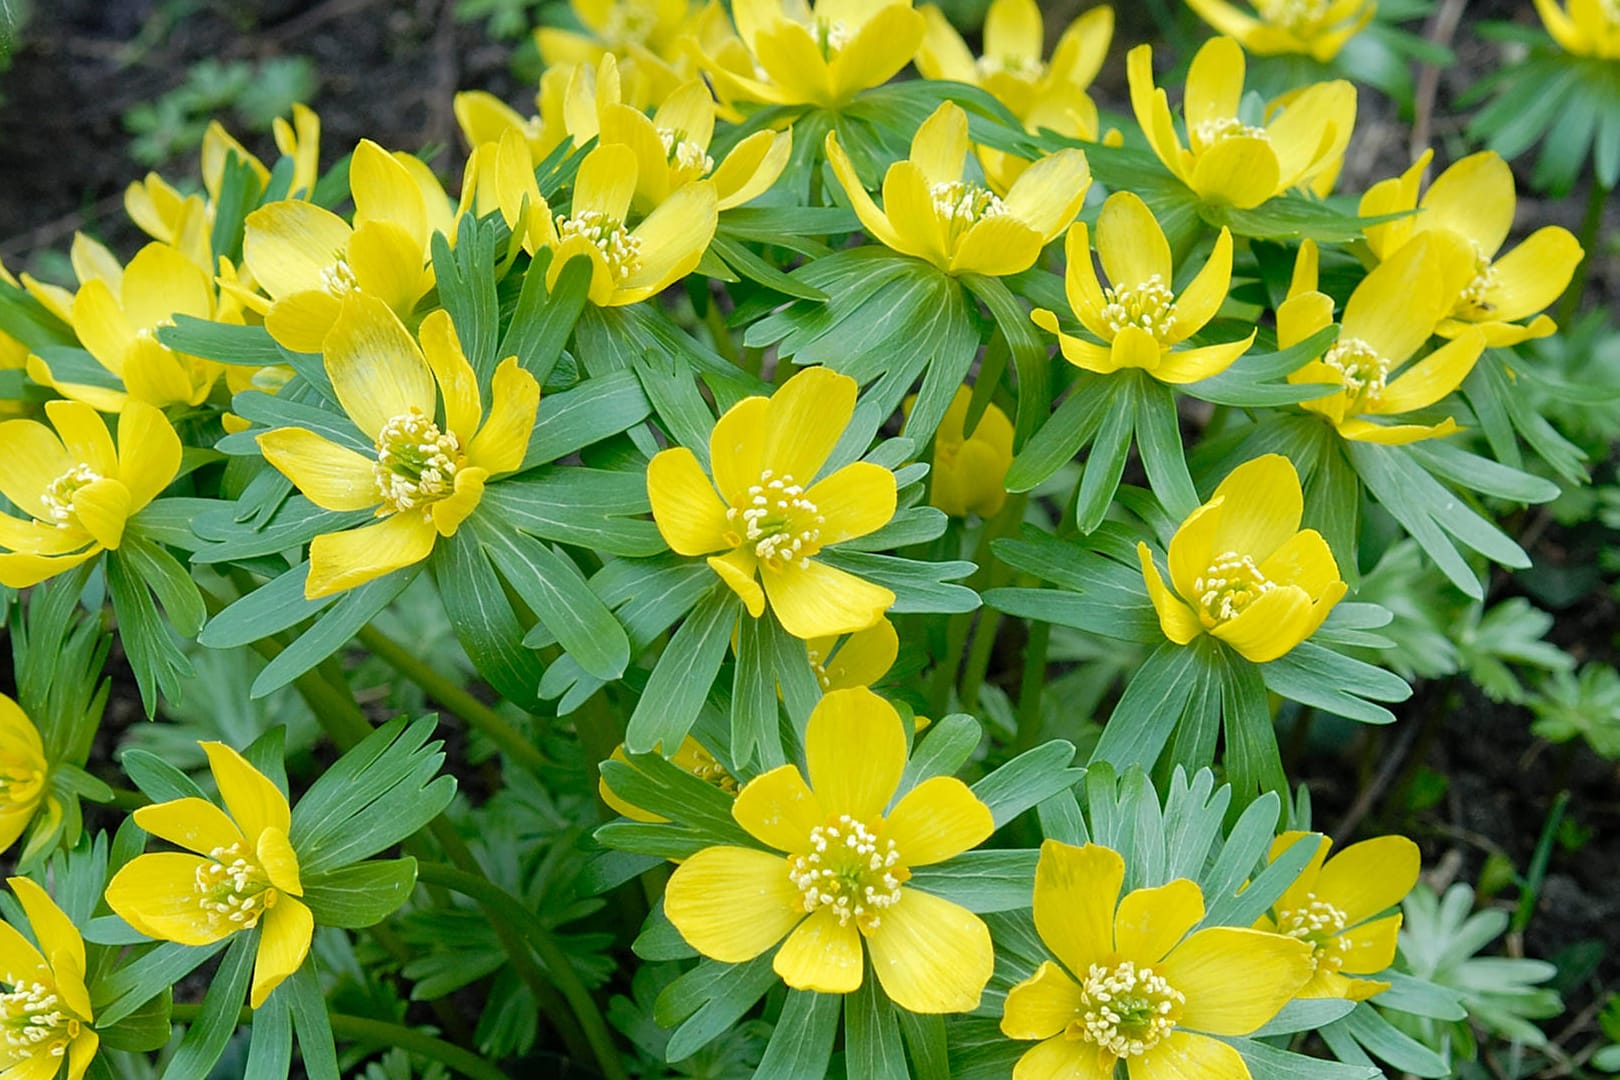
[1583, 27]
[482, 116]
[823, 53]
[1134, 984]
[1333, 909]
[427, 475]
[692, 757]
[864, 657]
[672, 150]
[621, 27]
[308, 259]
[24, 772]
[243, 875]
[1387, 319]
[1226, 159]
[13, 353]
[78, 488]
[1314, 28]
[837, 871]
[45, 1009]
[1242, 568]
[931, 212]
[772, 516]
[119, 328]
[969, 470]
[1474, 201]
[1137, 316]
[627, 265]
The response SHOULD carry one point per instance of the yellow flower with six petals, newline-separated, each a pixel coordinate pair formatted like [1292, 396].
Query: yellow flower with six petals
[1314, 28]
[78, 487]
[1137, 316]
[1137, 983]
[931, 212]
[1242, 569]
[426, 475]
[45, 1010]
[1334, 906]
[1227, 160]
[24, 772]
[238, 872]
[837, 872]
[1583, 27]
[772, 516]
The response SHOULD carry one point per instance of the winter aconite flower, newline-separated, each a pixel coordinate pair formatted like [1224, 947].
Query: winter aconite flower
[1135, 982]
[238, 872]
[771, 515]
[841, 856]
[969, 471]
[1391, 314]
[1228, 158]
[78, 487]
[1583, 27]
[1243, 571]
[1474, 201]
[24, 771]
[931, 212]
[1137, 317]
[427, 468]
[1314, 28]
[1335, 907]
[45, 1007]
[858, 659]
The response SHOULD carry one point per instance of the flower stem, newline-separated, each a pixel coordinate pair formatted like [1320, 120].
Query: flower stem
[495, 727]
[1029, 690]
[1596, 198]
[364, 1029]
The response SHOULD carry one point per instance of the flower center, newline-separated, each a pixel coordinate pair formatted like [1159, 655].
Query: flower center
[621, 250]
[831, 35]
[58, 495]
[1149, 306]
[629, 24]
[705, 767]
[777, 520]
[338, 279]
[1021, 67]
[1318, 924]
[1362, 369]
[849, 869]
[1297, 16]
[34, 1020]
[1126, 1010]
[1473, 300]
[689, 160]
[1229, 586]
[416, 462]
[960, 204]
[234, 888]
[1206, 134]
[21, 778]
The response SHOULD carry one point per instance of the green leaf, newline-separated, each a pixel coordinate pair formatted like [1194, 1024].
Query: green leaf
[708, 1001]
[1105, 464]
[310, 1020]
[675, 398]
[175, 589]
[756, 269]
[482, 616]
[755, 742]
[1253, 760]
[1030, 361]
[595, 509]
[917, 586]
[803, 1040]
[1027, 779]
[157, 779]
[267, 610]
[130, 987]
[292, 524]
[945, 748]
[571, 420]
[1158, 442]
[659, 787]
[361, 895]
[1142, 722]
[466, 279]
[981, 881]
[205, 1039]
[1317, 676]
[271, 1038]
[160, 667]
[1273, 1063]
[872, 1047]
[680, 682]
[142, 1031]
[334, 629]
[542, 321]
[225, 343]
[1385, 1041]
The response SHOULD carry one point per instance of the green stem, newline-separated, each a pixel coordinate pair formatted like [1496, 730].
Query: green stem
[364, 1029]
[539, 937]
[495, 727]
[723, 344]
[1597, 197]
[978, 660]
[1029, 689]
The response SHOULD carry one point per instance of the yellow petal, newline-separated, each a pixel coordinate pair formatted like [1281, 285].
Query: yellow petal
[1302, 891]
[384, 191]
[1395, 307]
[732, 903]
[1203, 296]
[1080, 285]
[102, 507]
[1304, 559]
[387, 264]
[1473, 198]
[156, 375]
[1532, 275]
[1064, 1058]
[855, 500]
[160, 283]
[807, 415]
[821, 955]
[1310, 135]
[1014, 30]
[1365, 879]
[342, 560]
[1214, 82]
[737, 569]
[996, 246]
[99, 321]
[863, 659]
[1235, 979]
[939, 148]
[1047, 195]
[1182, 366]
[1270, 626]
[1076, 889]
[737, 448]
[1192, 548]
[937, 820]
[798, 72]
[1042, 1005]
[375, 367]
[932, 956]
[1185, 1054]
[1130, 242]
[1431, 378]
[779, 809]
[1300, 316]
[84, 435]
[1177, 621]
[855, 750]
[22, 570]
[148, 452]
[284, 937]
[606, 182]
[944, 55]
[1150, 922]
[502, 442]
[448, 513]
[1261, 508]
[157, 895]
[55, 932]
[812, 599]
[689, 516]
[673, 239]
[288, 245]
[280, 862]
[1152, 109]
[255, 804]
[332, 477]
[753, 165]
[883, 45]
[908, 202]
[1240, 171]
[1077, 351]
[1134, 347]
[1372, 946]
[17, 955]
[300, 320]
[458, 383]
[192, 823]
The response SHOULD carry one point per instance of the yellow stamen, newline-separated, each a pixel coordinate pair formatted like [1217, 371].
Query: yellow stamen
[618, 246]
[850, 869]
[1148, 305]
[416, 463]
[58, 495]
[1124, 1009]
[1229, 586]
[234, 888]
[1318, 924]
[777, 520]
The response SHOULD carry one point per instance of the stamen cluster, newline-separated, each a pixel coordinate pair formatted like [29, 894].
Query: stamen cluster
[831, 35]
[1023, 67]
[1318, 923]
[777, 520]
[1148, 305]
[689, 159]
[1218, 129]
[57, 497]
[20, 779]
[849, 869]
[1361, 368]
[959, 204]
[1473, 299]
[339, 280]
[618, 246]
[416, 462]
[1230, 585]
[33, 1020]
[234, 888]
[1126, 1010]
[1298, 16]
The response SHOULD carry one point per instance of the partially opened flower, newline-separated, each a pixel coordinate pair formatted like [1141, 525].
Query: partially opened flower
[969, 471]
[78, 487]
[932, 212]
[841, 853]
[238, 872]
[45, 1009]
[24, 771]
[1583, 27]
[771, 515]
[1314, 28]
[1227, 158]
[429, 467]
[483, 117]
[623, 28]
[1338, 909]
[858, 659]
[1474, 201]
[691, 756]
[1242, 570]
[1135, 982]
[1388, 317]
[1137, 318]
